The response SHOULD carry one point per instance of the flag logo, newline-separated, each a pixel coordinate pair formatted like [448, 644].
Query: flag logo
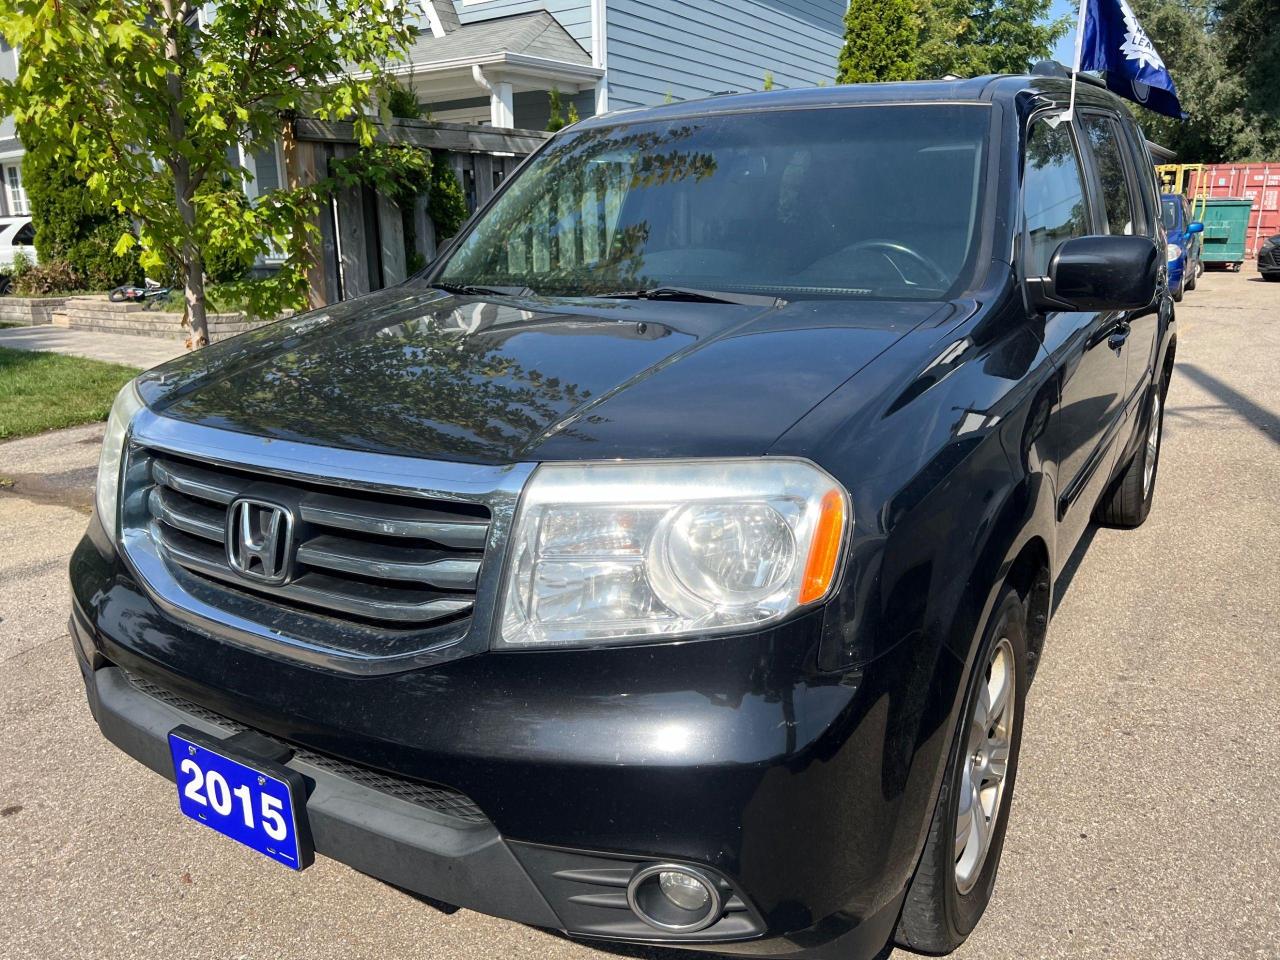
[1137, 45]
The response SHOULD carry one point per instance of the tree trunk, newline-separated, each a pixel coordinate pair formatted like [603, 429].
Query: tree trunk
[184, 185]
[196, 315]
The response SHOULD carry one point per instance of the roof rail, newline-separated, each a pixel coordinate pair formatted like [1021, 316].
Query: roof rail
[1052, 68]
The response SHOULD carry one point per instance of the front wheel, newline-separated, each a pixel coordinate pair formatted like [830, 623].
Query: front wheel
[1177, 292]
[1190, 280]
[1128, 502]
[956, 875]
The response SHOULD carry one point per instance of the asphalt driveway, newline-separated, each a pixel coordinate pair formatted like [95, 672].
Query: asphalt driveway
[1146, 822]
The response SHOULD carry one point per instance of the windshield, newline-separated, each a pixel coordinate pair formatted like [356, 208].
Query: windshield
[844, 202]
[1169, 214]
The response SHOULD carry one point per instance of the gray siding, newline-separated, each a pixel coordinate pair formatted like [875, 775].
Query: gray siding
[574, 15]
[694, 48]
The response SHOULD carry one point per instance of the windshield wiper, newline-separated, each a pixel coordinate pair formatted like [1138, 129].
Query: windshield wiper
[690, 295]
[471, 290]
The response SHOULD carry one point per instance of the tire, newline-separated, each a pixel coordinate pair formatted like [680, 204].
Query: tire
[1177, 293]
[1273, 277]
[116, 295]
[1190, 281]
[1128, 502]
[949, 892]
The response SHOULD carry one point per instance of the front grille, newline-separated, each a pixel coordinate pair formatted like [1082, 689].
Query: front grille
[430, 795]
[395, 562]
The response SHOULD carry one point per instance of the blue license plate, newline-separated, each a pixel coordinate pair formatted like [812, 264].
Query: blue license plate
[256, 802]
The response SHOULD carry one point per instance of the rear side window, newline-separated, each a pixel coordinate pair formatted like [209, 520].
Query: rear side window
[1104, 141]
[26, 236]
[1053, 198]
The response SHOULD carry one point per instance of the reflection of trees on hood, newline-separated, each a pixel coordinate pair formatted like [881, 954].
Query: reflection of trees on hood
[401, 386]
[551, 229]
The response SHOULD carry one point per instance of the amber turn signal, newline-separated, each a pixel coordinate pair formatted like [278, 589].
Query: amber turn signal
[820, 569]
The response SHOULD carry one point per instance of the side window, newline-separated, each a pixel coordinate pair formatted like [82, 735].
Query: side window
[1053, 199]
[1103, 135]
[25, 237]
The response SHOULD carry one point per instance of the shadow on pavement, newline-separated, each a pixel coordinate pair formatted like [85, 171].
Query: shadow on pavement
[1266, 422]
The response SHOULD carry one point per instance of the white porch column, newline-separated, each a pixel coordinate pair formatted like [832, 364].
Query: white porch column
[502, 111]
[600, 52]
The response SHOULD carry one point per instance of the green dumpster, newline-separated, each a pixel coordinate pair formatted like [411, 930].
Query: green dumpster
[1226, 225]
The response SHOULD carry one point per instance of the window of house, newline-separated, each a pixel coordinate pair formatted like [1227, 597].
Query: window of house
[18, 205]
[1103, 135]
[1053, 197]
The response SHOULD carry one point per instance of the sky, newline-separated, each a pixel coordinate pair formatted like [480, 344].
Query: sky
[1066, 49]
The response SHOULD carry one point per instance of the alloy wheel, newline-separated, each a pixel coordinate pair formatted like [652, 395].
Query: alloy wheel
[1153, 446]
[986, 765]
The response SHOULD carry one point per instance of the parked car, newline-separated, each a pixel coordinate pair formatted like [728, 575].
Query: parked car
[17, 239]
[669, 561]
[1184, 242]
[1269, 258]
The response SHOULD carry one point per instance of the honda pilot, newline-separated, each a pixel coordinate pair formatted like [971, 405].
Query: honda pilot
[668, 562]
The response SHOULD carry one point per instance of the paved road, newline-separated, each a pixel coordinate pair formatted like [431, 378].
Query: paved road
[113, 347]
[1146, 823]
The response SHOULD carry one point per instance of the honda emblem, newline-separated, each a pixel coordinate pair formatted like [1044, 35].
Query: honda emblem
[260, 540]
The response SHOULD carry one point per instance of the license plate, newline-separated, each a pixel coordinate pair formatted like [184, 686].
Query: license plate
[256, 802]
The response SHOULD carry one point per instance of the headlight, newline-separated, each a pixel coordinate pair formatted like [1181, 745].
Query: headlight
[126, 405]
[1172, 251]
[616, 552]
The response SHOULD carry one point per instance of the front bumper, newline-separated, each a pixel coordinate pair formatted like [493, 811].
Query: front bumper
[807, 794]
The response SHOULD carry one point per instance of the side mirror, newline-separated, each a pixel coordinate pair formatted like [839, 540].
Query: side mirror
[1098, 273]
[1195, 226]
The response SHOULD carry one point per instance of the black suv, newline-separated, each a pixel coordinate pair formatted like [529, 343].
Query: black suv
[669, 561]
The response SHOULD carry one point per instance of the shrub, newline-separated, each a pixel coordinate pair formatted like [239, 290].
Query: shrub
[47, 279]
[402, 103]
[74, 226]
[555, 120]
[447, 205]
[225, 263]
[21, 265]
[96, 262]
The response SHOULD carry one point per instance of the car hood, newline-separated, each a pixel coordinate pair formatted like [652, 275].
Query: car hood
[413, 372]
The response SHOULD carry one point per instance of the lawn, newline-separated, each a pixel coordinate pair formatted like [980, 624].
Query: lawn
[43, 391]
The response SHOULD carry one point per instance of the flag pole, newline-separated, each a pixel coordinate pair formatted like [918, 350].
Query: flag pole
[1075, 66]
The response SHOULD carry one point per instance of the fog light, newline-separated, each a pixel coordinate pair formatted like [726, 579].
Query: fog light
[675, 898]
[684, 890]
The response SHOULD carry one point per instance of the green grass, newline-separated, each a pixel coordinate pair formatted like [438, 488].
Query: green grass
[45, 391]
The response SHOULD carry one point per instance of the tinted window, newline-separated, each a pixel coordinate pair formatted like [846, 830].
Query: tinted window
[26, 236]
[1169, 214]
[854, 202]
[1053, 202]
[1103, 135]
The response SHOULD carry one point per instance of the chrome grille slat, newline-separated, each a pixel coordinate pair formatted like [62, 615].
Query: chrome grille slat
[390, 561]
[189, 517]
[393, 520]
[197, 482]
[379, 602]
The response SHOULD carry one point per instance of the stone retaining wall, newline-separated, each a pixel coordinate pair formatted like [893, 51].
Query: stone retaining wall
[29, 310]
[100, 314]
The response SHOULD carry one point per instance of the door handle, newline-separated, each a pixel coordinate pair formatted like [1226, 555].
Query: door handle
[1119, 336]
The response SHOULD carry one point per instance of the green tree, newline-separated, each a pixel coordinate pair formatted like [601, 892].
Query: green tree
[969, 38]
[1211, 63]
[150, 99]
[880, 40]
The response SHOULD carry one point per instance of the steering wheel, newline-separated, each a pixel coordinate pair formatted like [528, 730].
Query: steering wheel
[887, 247]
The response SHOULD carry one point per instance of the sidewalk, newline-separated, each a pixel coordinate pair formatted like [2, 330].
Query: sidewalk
[113, 347]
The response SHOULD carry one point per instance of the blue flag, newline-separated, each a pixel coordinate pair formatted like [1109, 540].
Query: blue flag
[1114, 42]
